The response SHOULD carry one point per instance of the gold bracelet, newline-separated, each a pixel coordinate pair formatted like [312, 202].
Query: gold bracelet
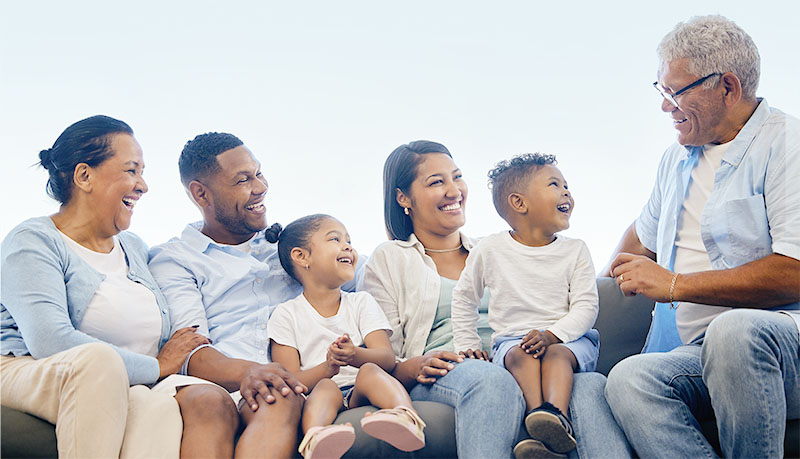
[672, 304]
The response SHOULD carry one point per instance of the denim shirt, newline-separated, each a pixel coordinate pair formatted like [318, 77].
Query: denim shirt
[753, 210]
[46, 287]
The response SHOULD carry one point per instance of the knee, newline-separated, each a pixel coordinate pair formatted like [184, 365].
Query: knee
[369, 371]
[515, 357]
[208, 403]
[325, 386]
[490, 378]
[101, 365]
[626, 379]
[732, 332]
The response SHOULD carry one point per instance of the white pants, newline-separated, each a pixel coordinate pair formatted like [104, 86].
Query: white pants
[84, 391]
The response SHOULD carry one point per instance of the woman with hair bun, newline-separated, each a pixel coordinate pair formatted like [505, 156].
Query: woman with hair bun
[83, 324]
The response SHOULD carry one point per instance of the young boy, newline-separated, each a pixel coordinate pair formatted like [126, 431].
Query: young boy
[543, 298]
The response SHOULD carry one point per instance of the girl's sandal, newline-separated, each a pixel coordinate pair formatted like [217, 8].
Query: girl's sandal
[327, 441]
[401, 427]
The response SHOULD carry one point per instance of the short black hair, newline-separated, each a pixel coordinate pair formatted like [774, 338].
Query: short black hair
[399, 171]
[511, 176]
[297, 234]
[86, 141]
[199, 156]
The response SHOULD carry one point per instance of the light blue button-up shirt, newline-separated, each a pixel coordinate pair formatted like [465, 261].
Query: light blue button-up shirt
[230, 294]
[753, 209]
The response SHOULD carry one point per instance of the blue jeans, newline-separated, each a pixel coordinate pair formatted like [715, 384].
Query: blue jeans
[488, 405]
[745, 371]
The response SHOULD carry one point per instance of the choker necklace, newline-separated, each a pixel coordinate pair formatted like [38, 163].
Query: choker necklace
[444, 250]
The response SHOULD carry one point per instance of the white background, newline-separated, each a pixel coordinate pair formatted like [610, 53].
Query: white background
[323, 91]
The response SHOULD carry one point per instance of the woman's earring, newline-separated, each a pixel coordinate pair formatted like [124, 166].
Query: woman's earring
[406, 211]
[307, 267]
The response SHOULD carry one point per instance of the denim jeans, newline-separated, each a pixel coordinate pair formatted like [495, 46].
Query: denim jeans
[593, 424]
[744, 371]
[488, 405]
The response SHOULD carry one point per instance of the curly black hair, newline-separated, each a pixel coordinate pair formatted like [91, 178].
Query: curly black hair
[199, 156]
[510, 175]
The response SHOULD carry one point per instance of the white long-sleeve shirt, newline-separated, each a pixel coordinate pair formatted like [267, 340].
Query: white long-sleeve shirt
[546, 288]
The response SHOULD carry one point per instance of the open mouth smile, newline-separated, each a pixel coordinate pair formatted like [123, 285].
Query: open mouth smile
[451, 207]
[565, 208]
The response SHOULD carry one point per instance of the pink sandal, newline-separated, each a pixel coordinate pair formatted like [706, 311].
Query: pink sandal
[401, 427]
[327, 441]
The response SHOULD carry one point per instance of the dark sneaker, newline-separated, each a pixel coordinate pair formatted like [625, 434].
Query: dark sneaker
[530, 449]
[548, 425]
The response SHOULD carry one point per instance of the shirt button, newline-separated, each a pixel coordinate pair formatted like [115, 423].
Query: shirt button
[258, 280]
[163, 311]
[263, 326]
[261, 352]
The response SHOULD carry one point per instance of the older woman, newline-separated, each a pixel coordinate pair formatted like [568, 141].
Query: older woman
[412, 277]
[84, 327]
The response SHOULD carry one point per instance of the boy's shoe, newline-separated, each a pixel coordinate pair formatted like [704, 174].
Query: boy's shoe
[401, 427]
[548, 425]
[529, 449]
[327, 441]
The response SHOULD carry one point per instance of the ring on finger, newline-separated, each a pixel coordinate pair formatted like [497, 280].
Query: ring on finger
[622, 278]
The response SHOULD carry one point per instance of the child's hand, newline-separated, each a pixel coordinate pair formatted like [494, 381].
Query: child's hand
[536, 342]
[333, 364]
[343, 349]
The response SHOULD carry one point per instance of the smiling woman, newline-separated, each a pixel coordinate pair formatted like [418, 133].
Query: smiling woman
[84, 325]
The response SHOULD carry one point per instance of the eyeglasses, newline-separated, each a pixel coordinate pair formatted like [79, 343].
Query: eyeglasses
[671, 98]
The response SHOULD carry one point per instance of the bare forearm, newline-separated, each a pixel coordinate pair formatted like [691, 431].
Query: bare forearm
[629, 243]
[314, 375]
[384, 358]
[212, 365]
[765, 283]
[406, 371]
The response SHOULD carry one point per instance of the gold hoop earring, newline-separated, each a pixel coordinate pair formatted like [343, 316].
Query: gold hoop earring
[406, 210]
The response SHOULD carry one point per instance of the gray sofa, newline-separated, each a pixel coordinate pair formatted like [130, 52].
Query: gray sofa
[623, 324]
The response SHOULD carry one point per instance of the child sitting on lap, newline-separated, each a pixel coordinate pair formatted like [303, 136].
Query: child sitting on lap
[543, 297]
[337, 343]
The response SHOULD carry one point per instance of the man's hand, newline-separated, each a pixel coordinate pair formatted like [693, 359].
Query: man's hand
[535, 342]
[259, 378]
[343, 349]
[474, 354]
[638, 274]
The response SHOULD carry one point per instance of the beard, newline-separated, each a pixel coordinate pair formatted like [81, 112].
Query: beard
[237, 223]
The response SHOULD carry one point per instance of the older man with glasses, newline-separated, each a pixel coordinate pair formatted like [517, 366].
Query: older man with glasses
[717, 246]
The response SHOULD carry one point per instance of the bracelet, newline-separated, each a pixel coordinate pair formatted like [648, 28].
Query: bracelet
[672, 304]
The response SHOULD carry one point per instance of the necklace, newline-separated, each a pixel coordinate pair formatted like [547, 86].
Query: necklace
[444, 250]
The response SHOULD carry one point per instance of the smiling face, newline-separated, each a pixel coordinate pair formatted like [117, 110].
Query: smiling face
[331, 258]
[117, 184]
[700, 119]
[437, 197]
[234, 206]
[548, 200]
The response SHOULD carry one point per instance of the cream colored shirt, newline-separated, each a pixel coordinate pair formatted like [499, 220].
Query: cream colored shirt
[405, 283]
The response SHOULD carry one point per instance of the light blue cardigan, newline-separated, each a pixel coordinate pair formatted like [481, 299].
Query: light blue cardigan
[45, 288]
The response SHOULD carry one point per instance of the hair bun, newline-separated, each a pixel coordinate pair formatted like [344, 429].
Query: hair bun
[273, 232]
[46, 159]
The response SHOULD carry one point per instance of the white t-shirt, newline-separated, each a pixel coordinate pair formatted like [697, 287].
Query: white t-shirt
[691, 256]
[297, 324]
[547, 288]
[121, 312]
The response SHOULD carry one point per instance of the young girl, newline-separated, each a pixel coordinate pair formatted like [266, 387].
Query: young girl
[337, 343]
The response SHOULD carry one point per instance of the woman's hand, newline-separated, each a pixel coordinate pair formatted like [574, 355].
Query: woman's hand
[474, 354]
[536, 342]
[175, 351]
[259, 378]
[436, 364]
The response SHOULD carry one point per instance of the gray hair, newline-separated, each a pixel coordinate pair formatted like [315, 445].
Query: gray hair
[714, 44]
